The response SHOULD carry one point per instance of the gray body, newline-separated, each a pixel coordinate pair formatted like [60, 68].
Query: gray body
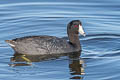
[39, 45]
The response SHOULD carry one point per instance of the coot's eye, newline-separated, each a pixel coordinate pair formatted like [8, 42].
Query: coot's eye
[76, 26]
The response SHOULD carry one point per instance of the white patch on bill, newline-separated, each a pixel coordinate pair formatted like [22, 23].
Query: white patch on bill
[81, 31]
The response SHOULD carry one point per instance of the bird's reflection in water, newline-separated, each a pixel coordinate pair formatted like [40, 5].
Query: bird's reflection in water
[26, 60]
[76, 64]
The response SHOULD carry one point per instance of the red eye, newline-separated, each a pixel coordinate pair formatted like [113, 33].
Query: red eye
[76, 26]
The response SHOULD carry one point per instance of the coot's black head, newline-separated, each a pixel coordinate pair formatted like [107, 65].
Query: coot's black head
[75, 27]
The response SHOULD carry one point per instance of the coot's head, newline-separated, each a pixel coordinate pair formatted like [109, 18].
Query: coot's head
[75, 27]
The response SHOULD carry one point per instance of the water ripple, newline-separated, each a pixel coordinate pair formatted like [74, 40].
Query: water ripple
[100, 48]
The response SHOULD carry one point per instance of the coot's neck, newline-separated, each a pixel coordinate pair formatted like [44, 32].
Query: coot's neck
[74, 39]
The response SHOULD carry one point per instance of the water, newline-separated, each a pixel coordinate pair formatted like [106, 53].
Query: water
[101, 51]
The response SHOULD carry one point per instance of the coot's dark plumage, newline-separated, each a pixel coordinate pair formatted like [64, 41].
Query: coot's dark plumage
[40, 45]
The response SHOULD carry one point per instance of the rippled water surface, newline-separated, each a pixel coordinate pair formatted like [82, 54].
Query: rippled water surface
[100, 59]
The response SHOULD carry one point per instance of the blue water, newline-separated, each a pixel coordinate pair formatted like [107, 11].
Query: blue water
[100, 57]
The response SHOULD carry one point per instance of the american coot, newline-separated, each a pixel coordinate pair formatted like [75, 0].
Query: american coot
[41, 45]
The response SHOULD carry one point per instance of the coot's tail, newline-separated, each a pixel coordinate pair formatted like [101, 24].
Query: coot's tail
[10, 42]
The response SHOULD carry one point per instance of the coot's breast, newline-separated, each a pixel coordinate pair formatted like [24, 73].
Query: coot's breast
[38, 45]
